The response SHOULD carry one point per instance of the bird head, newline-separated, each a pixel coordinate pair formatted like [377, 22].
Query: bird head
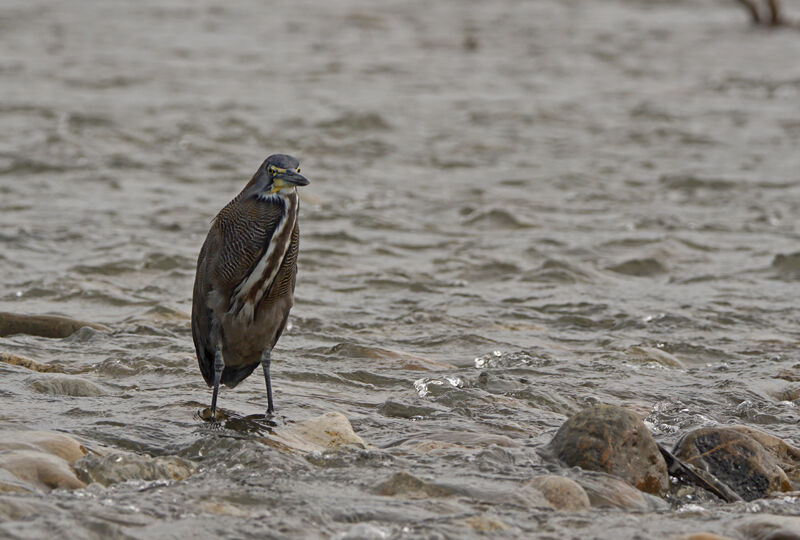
[280, 172]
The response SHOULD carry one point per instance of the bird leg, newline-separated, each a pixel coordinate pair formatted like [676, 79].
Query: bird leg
[265, 365]
[218, 365]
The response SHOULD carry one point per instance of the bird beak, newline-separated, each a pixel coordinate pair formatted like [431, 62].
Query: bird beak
[289, 178]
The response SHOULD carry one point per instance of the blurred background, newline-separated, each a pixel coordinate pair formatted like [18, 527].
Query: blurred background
[517, 208]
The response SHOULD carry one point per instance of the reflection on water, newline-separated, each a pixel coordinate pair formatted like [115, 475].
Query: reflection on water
[518, 209]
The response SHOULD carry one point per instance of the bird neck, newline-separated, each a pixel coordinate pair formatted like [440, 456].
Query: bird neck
[286, 197]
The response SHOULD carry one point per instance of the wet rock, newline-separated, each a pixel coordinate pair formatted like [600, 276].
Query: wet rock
[771, 528]
[403, 484]
[65, 385]
[495, 459]
[651, 354]
[57, 444]
[486, 524]
[561, 492]
[787, 266]
[614, 440]
[398, 409]
[331, 431]
[605, 490]
[50, 326]
[119, 467]
[791, 374]
[786, 455]
[27, 363]
[430, 447]
[736, 459]
[790, 392]
[525, 496]
[39, 471]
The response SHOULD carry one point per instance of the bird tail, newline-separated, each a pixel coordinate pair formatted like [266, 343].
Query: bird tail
[231, 376]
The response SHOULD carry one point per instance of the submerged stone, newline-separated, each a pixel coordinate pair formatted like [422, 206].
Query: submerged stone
[736, 459]
[486, 524]
[403, 484]
[50, 326]
[640, 353]
[605, 490]
[65, 385]
[771, 528]
[115, 468]
[561, 492]
[613, 440]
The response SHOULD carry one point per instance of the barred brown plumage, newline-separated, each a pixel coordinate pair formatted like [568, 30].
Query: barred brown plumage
[244, 286]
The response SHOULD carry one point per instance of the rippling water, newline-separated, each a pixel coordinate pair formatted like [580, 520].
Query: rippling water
[513, 204]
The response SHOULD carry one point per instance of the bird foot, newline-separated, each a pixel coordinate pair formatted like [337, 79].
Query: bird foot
[219, 415]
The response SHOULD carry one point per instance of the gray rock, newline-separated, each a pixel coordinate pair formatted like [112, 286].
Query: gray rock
[611, 439]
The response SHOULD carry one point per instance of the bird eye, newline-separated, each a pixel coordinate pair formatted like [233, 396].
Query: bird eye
[272, 170]
[298, 169]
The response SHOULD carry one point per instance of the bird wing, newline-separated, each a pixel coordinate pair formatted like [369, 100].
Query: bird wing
[201, 311]
[239, 236]
[245, 230]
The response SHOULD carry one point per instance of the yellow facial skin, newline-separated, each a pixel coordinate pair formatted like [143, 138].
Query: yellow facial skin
[278, 184]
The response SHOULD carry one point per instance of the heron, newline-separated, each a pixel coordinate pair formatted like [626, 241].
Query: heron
[244, 286]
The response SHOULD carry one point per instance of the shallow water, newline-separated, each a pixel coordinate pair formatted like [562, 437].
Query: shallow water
[507, 198]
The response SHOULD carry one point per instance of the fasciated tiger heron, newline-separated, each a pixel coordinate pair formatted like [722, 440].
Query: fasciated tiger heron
[244, 286]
